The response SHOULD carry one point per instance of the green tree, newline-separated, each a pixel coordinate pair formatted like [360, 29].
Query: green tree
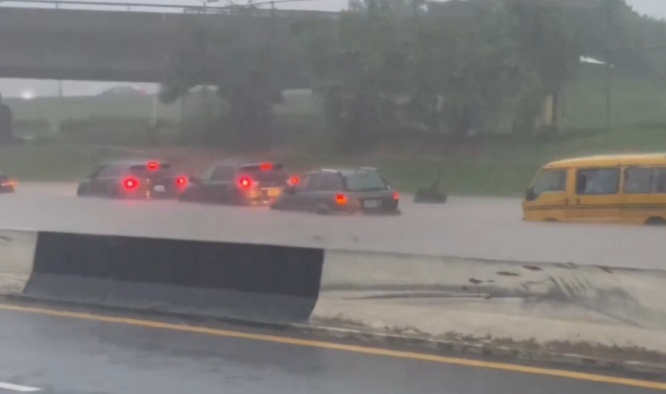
[470, 65]
[360, 70]
[242, 58]
[548, 46]
[397, 67]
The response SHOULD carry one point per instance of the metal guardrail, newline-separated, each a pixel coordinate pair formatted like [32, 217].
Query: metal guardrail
[205, 8]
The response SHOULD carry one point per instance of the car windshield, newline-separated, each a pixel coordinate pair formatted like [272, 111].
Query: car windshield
[549, 181]
[365, 181]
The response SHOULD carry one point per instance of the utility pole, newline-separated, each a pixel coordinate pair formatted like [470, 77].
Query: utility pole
[205, 96]
[609, 18]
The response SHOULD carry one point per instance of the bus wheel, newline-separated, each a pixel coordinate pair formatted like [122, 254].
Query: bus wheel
[656, 221]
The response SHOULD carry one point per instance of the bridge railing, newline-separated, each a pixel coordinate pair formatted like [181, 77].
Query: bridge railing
[263, 8]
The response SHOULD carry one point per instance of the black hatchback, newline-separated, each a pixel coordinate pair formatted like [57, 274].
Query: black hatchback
[238, 183]
[330, 191]
[133, 180]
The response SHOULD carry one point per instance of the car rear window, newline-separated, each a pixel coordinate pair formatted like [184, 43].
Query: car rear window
[365, 181]
[143, 171]
[275, 175]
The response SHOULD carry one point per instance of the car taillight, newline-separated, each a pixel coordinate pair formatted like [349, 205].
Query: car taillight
[245, 183]
[130, 183]
[153, 165]
[294, 180]
[341, 199]
[181, 181]
[396, 196]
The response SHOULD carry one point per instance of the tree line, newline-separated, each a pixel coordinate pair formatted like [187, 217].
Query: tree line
[410, 67]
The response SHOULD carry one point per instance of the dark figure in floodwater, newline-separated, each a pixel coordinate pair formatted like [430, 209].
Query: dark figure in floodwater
[6, 123]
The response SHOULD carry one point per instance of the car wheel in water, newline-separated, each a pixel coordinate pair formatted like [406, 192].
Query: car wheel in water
[82, 191]
[186, 196]
[323, 210]
[656, 221]
[113, 192]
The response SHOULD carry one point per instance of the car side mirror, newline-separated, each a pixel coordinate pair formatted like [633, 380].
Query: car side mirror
[530, 195]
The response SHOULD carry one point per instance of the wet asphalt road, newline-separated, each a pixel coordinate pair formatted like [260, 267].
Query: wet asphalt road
[465, 227]
[70, 356]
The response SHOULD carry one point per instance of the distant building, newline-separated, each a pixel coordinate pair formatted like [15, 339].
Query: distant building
[123, 91]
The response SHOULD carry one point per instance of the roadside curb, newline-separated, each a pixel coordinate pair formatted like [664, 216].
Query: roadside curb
[414, 342]
[488, 350]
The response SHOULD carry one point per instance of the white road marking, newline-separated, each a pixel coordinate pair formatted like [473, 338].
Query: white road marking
[16, 387]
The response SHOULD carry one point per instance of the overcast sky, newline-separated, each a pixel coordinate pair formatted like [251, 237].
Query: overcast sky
[13, 88]
[656, 8]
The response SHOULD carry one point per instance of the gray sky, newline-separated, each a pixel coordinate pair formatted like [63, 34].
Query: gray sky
[656, 8]
[14, 87]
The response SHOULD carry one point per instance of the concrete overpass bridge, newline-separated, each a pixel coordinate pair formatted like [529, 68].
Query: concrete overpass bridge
[104, 45]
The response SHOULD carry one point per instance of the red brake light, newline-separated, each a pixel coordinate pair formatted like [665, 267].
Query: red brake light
[245, 183]
[341, 199]
[396, 196]
[153, 165]
[130, 183]
[294, 180]
[266, 166]
[181, 181]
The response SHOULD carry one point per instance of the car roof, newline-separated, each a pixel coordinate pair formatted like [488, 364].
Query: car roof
[130, 163]
[344, 171]
[610, 160]
[239, 163]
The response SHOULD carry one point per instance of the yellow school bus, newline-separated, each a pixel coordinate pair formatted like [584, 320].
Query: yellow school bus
[609, 188]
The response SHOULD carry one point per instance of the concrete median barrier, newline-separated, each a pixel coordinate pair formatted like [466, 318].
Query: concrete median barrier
[557, 308]
[446, 296]
[17, 250]
[243, 281]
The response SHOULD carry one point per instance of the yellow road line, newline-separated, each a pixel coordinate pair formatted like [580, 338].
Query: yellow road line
[339, 347]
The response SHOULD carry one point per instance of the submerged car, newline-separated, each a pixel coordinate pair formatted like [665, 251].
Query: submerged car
[7, 184]
[238, 183]
[133, 180]
[331, 191]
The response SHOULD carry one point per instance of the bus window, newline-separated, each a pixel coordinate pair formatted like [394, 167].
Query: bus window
[638, 180]
[660, 180]
[597, 181]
